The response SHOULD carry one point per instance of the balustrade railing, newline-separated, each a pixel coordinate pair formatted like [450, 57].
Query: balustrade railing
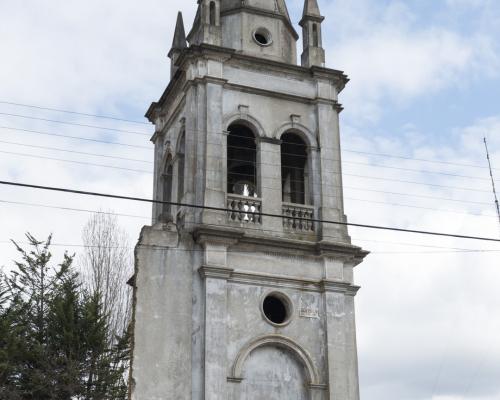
[244, 209]
[298, 217]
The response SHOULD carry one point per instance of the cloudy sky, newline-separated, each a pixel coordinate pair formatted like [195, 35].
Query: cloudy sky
[424, 90]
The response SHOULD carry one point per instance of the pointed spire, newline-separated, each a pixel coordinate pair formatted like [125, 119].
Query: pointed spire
[178, 44]
[313, 54]
[283, 9]
[179, 41]
[311, 9]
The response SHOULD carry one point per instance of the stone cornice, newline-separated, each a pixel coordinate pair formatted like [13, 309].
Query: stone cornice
[281, 95]
[265, 139]
[223, 53]
[231, 236]
[209, 271]
[219, 235]
[338, 287]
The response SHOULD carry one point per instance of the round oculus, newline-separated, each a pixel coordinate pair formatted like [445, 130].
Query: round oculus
[262, 37]
[277, 308]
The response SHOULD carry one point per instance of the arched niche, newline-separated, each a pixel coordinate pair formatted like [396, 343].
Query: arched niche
[276, 341]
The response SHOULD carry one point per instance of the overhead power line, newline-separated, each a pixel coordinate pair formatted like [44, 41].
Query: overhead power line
[75, 124]
[75, 152]
[492, 180]
[195, 206]
[385, 242]
[74, 112]
[344, 174]
[76, 162]
[74, 137]
[29, 131]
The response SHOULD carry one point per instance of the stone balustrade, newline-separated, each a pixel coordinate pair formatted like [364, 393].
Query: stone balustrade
[244, 209]
[298, 217]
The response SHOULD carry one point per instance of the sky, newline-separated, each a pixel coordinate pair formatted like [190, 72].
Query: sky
[424, 90]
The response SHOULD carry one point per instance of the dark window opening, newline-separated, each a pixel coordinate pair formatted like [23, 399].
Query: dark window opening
[275, 309]
[261, 38]
[167, 192]
[212, 13]
[315, 36]
[180, 168]
[293, 169]
[241, 161]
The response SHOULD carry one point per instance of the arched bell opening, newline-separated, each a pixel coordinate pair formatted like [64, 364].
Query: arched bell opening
[167, 180]
[294, 169]
[181, 151]
[212, 17]
[242, 161]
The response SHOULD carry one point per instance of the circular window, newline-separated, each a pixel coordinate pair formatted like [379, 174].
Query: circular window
[262, 36]
[277, 308]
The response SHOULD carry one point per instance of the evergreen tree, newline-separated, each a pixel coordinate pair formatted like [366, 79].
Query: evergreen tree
[54, 335]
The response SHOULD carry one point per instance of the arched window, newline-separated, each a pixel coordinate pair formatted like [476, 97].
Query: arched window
[212, 13]
[166, 214]
[315, 36]
[241, 161]
[293, 169]
[180, 167]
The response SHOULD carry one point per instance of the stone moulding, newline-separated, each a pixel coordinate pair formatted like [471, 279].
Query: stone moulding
[280, 341]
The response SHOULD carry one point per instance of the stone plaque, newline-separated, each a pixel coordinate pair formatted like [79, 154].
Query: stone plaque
[308, 307]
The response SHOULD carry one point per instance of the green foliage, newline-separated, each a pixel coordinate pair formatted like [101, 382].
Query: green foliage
[54, 334]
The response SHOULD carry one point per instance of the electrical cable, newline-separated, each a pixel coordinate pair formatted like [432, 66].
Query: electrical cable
[75, 124]
[344, 174]
[260, 230]
[149, 124]
[227, 210]
[74, 112]
[149, 172]
[76, 162]
[75, 152]
[32, 131]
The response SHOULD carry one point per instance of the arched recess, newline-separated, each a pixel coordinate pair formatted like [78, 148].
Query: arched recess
[294, 169]
[212, 13]
[242, 171]
[166, 180]
[278, 341]
[180, 160]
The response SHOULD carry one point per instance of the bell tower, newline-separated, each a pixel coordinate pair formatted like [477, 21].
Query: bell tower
[240, 291]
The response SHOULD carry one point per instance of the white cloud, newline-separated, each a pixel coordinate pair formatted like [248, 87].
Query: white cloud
[389, 56]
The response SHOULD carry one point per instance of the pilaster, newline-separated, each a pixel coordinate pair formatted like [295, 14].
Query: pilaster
[269, 153]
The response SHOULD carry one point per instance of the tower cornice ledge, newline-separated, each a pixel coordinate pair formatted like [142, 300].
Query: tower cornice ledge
[233, 236]
[227, 55]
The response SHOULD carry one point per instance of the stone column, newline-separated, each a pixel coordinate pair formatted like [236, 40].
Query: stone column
[215, 274]
[161, 359]
[351, 347]
[334, 302]
[215, 192]
[269, 159]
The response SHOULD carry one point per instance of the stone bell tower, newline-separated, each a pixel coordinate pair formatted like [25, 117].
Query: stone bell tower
[246, 296]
